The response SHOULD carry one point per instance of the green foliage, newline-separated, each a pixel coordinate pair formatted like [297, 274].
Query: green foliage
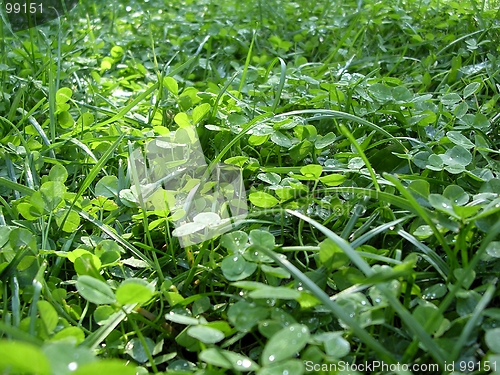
[59, 358]
[367, 137]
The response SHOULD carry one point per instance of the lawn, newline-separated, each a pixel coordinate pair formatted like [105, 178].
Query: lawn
[263, 187]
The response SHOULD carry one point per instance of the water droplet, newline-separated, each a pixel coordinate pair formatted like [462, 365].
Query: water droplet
[72, 366]
[246, 363]
[292, 328]
[271, 358]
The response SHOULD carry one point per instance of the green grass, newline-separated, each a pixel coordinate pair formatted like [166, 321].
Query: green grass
[367, 137]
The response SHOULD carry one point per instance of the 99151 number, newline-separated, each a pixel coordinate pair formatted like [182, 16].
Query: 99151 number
[23, 8]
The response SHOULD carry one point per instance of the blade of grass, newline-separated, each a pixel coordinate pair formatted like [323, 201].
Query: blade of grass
[434, 258]
[37, 127]
[7, 208]
[423, 214]
[111, 233]
[11, 268]
[135, 179]
[280, 85]
[52, 95]
[37, 289]
[91, 176]
[376, 231]
[86, 150]
[247, 62]
[98, 336]
[18, 334]
[221, 93]
[15, 186]
[361, 153]
[358, 208]
[16, 103]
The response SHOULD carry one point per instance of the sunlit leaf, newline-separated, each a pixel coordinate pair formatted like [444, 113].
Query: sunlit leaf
[94, 290]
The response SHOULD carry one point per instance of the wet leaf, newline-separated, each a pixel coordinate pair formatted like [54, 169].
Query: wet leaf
[171, 85]
[133, 291]
[108, 367]
[274, 292]
[471, 89]
[58, 173]
[333, 179]
[49, 315]
[492, 338]
[206, 335]
[137, 351]
[14, 355]
[262, 199]
[244, 315]
[64, 357]
[262, 238]
[107, 187]
[459, 139]
[335, 345]
[181, 319]
[493, 249]
[292, 366]
[200, 112]
[235, 267]
[424, 313]
[450, 99]
[435, 291]
[236, 242]
[381, 92]
[457, 156]
[63, 95]
[456, 195]
[285, 343]
[94, 290]
[312, 170]
[227, 359]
